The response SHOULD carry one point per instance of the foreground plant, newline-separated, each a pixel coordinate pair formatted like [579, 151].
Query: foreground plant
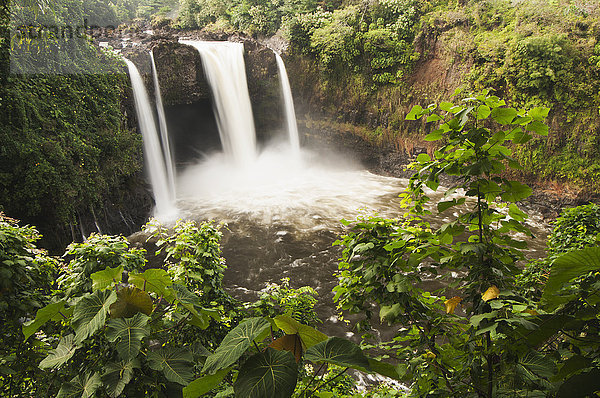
[483, 349]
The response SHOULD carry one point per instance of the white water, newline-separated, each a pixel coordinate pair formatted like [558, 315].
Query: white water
[224, 67]
[164, 133]
[164, 205]
[311, 191]
[288, 101]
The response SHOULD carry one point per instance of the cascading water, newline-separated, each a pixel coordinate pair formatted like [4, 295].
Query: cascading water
[164, 133]
[225, 70]
[153, 155]
[290, 113]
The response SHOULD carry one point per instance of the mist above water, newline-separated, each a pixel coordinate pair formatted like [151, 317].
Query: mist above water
[312, 190]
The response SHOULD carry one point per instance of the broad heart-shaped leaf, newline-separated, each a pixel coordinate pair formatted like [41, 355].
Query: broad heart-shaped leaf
[117, 375]
[340, 352]
[128, 334]
[515, 191]
[152, 280]
[383, 368]
[581, 385]
[191, 302]
[51, 311]
[61, 354]
[90, 313]
[290, 343]
[235, 344]
[309, 336]
[130, 301]
[267, 374]
[565, 268]
[538, 365]
[538, 127]
[107, 278]
[204, 384]
[503, 115]
[415, 113]
[80, 386]
[175, 363]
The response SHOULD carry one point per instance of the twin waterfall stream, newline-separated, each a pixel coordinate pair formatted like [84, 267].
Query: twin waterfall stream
[282, 204]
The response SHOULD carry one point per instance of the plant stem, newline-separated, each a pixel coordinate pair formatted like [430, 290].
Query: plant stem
[312, 379]
[328, 381]
[490, 365]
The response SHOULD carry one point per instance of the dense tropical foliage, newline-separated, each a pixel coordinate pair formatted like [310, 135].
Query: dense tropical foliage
[110, 319]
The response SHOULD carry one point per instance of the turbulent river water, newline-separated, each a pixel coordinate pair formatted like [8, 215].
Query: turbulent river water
[283, 214]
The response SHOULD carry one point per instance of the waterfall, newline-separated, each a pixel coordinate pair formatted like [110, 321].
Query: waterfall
[225, 71]
[164, 133]
[290, 114]
[153, 154]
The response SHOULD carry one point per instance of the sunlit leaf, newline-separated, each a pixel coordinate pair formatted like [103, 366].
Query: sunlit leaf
[338, 351]
[152, 280]
[128, 333]
[107, 278]
[90, 313]
[267, 374]
[451, 304]
[308, 335]
[538, 114]
[538, 128]
[50, 312]
[503, 115]
[130, 301]
[483, 111]
[61, 354]
[235, 344]
[204, 384]
[515, 191]
[491, 293]
[415, 113]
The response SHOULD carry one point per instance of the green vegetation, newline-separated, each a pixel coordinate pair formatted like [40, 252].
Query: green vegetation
[113, 326]
[107, 323]
[67, 146]
[501, 342]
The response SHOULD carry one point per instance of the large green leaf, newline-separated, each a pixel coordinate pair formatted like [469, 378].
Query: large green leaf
[267, 374]
[515, 191]
[50, 312]
[175, 363]
[107, 278]
[581, 385]
[130, 301]
[204, 384]
[235, 344]
[61, 354]
[309, 336]
[503, 115]
[128, 334]
[340, 352]
[383, 368]
[152, 280]
[566, 268]
[538, 365]
[90, 313]
[80, 386]
[117, 375]
[191, 302]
